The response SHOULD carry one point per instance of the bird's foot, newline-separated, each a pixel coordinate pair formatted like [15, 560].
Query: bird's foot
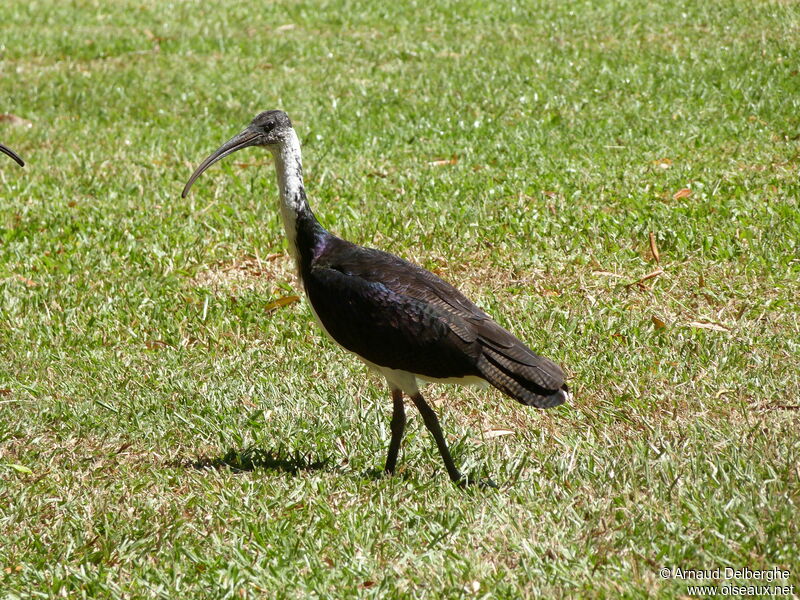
[481, 483]
[376, 474]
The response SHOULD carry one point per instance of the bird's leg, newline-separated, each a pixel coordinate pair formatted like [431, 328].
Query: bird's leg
[432, 423]
[398, 426]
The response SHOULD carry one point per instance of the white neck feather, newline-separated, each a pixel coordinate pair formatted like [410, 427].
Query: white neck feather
[289, 167]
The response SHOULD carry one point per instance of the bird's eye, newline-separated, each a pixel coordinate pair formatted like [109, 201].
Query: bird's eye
[270, 125]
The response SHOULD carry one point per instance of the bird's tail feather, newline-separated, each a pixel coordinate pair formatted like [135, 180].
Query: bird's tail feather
[519, 380]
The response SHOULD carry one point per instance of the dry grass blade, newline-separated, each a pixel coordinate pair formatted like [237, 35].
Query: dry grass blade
[493, 433]
[654, 248]
[652, 275]
[444, 161]
[284, 301]
[709, 325]
[608, 274]
[27, 281]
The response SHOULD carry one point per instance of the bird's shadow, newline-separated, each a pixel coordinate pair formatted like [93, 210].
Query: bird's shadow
[252, 459]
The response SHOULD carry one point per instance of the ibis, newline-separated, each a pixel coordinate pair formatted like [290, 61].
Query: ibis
[401, 320]
[12, 154]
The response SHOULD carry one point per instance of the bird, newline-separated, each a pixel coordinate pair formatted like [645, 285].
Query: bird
[403, 321]
[12, 154]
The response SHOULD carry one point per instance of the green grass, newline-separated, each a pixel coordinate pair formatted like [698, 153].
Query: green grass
[186, 439]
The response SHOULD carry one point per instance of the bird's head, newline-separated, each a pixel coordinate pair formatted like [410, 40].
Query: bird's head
[12, 154]
[270, 129]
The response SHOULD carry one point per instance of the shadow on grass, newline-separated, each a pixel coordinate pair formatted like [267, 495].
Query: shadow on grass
[251, 459]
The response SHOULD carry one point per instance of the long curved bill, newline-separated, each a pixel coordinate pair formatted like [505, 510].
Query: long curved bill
[243, 140]
[12, 154]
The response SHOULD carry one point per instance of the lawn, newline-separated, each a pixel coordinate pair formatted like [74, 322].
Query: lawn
[616, 183]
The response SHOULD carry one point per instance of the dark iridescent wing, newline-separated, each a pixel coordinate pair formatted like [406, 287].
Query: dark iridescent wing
[389, 329]
[464, 319]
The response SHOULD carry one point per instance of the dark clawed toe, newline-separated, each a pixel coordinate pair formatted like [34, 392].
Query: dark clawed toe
[485, 483]
[376, 474]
